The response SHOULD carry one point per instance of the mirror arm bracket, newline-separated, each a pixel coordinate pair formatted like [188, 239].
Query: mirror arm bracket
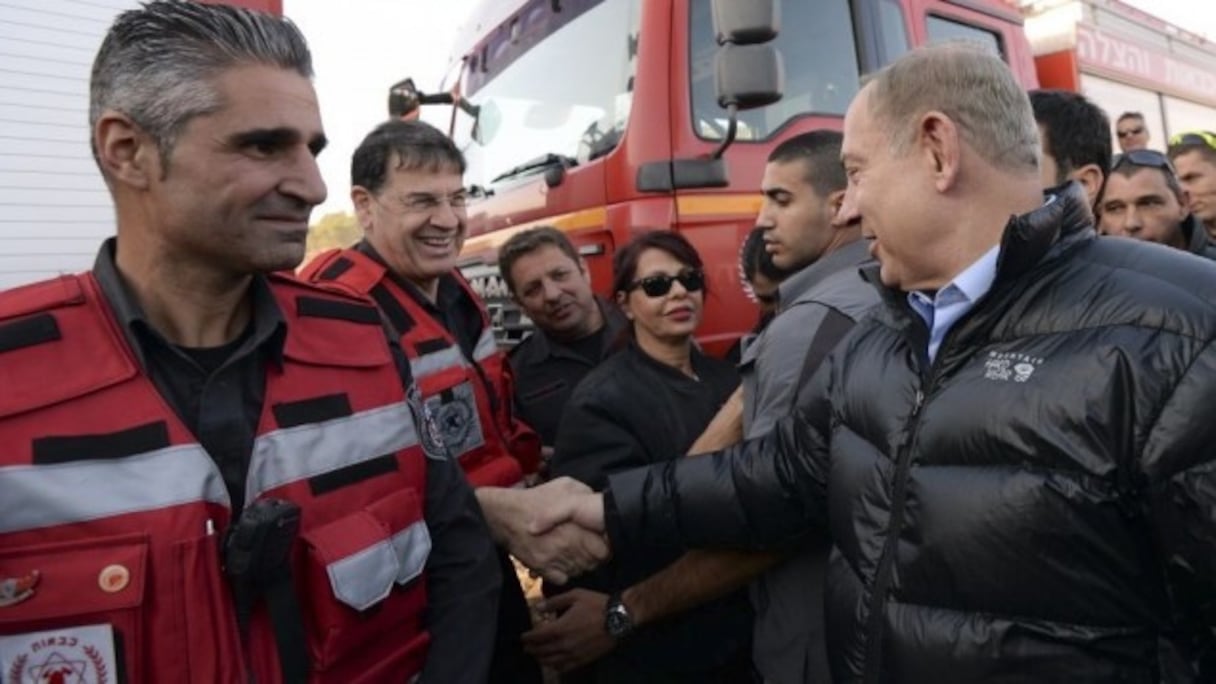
[732, 129]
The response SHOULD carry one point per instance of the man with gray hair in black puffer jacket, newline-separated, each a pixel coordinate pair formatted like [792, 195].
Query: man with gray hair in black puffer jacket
[1013, 456]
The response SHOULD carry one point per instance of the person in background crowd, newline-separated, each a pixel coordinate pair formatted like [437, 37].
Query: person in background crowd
[1145, 201]
[1012, 455]
[574, 328]
[213, 472]
[650, 402]
[761, 276]
[1131, 131]
[1194, 156]
[760, 280]
[1075, 137]
[408, 192]
[803, 185]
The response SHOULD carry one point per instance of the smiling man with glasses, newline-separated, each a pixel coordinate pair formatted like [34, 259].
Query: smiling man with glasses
[408, 190]
[1194, 156]
[1144, 201]
[1131, 131]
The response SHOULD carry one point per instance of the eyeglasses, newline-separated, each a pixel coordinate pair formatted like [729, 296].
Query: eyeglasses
[421, 203]
[658, 285]
[1130, 132]
[1194, 138]
[1150, 158]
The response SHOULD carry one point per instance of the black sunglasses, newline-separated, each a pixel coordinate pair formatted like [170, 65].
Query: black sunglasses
[1130, 132]
[658, 285]
[1150, 158]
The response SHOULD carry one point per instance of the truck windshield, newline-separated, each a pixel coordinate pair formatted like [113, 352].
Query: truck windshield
[818, 47]
[550, 85]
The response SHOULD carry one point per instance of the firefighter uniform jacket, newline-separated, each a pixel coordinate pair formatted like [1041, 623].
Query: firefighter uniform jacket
[111, 512]
[470, 397]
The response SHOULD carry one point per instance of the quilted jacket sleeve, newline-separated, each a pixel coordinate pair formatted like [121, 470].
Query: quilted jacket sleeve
[766, 492]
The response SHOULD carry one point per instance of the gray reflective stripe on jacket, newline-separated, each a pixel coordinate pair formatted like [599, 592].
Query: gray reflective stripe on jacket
[284, 456]
[34, 496]
[365, 577]
[436, 362]
[486, 347]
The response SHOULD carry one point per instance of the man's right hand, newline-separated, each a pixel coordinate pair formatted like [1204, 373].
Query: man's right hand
[562, 548]
[578, 505]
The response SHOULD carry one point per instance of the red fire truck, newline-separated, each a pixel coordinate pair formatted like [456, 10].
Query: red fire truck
[601, 117]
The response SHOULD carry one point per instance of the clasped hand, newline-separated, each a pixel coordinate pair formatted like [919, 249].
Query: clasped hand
[556, 529]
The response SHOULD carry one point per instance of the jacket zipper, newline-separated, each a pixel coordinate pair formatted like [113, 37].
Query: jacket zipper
[882, 581]
[872, 667]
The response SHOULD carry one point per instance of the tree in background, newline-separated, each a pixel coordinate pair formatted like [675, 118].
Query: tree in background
[332, 231]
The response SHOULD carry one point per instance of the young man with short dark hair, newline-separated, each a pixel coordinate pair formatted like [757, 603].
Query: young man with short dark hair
[1075, 137]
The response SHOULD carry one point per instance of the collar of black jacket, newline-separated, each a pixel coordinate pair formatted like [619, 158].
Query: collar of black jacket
[538, 347]
[1064, 219]
[1197, 240]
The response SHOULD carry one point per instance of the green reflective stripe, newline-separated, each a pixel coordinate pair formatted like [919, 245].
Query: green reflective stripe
[364, 578]
[35, 496]
[305, 451]
[486, 346]
[436, 362]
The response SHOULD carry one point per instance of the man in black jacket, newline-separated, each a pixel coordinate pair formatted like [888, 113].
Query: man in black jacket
[575, 330]
[1013, 456]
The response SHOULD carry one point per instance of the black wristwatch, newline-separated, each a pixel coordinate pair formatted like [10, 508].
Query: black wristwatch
[617, 620]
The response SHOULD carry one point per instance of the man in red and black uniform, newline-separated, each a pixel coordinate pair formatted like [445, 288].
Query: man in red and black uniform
[409, 195]
[212, 472]
[408, 192]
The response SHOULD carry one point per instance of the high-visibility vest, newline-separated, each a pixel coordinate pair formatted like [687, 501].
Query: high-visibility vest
[469, 397]
[112, 514]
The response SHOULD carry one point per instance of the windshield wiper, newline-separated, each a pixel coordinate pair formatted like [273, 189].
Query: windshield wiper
[540, 163]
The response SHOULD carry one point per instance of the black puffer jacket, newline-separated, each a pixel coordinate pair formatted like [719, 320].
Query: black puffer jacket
[1038, 505]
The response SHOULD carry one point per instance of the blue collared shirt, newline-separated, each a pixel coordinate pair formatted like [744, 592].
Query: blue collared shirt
[942, 311]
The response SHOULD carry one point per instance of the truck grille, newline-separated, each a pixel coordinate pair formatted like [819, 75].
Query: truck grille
[509, 322]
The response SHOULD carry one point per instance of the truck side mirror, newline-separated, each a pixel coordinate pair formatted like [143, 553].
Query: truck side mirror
[488, 121]
[747, 72]
[746, 22]
[403, 98]
[748, 76]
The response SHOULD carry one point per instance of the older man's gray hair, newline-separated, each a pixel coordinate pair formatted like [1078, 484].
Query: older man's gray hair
[971, 86]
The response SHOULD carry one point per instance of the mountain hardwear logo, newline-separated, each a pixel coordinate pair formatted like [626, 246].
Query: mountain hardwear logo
[1008, 366]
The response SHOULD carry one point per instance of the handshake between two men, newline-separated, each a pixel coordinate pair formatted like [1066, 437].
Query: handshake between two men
[555, 529]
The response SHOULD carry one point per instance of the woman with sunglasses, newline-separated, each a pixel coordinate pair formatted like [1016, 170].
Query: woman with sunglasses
[648, 403]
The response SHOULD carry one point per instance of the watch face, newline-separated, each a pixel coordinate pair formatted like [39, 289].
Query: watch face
[617, 622]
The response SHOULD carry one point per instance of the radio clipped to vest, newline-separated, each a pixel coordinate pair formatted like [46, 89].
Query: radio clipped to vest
[257, 562]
